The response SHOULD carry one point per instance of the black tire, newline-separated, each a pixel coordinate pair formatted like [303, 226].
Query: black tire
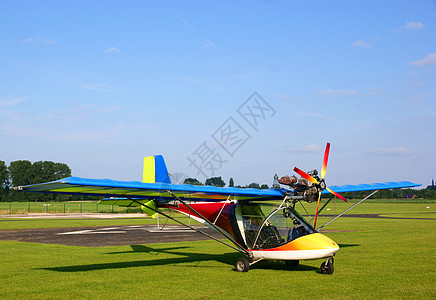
[242, 265]
[292, 263]
[327, 269]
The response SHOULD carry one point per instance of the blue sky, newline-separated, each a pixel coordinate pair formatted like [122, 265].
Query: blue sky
[101, 84]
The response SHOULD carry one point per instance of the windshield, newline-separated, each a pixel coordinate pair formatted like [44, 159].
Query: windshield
[266, 226]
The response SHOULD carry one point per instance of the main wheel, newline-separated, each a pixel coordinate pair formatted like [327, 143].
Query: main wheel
[242, 265]
[327, 268]
[292, 263]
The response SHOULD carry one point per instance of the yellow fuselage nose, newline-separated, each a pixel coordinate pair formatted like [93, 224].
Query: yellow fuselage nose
[315, 241]
[311, 246]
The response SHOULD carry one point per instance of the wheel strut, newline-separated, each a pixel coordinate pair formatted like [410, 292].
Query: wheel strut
[327, 266]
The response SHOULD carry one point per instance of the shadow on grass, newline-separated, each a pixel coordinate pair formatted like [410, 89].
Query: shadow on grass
[184, 257]
[348, 245]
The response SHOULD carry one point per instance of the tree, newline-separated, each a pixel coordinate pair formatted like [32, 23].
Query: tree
[231, 182]
[45, 171]
[4, 180]
[264, 187]
[23, 172]
[193, 181]
[215, 181]
[19, 172]
[254, 185]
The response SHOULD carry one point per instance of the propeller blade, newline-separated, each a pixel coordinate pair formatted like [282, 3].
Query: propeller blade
[317, 209]
[336, 194]
[305, 175]
[326, 158]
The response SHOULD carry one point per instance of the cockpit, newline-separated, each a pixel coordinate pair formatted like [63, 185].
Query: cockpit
[267, 226]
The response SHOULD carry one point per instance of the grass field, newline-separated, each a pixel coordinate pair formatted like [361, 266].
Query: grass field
[380, 258]
[62, 207]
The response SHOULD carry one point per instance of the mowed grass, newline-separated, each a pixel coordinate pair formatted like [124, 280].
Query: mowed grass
[379, 258]
[16, 223]
[62, 207]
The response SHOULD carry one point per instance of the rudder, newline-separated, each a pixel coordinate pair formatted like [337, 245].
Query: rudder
[155, 170]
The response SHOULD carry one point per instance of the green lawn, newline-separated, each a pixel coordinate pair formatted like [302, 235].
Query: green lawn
[7, 223]
[379, 258]
[61, 207]
[376, 208]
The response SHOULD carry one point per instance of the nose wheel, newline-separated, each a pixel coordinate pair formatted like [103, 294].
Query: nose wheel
[327, 266]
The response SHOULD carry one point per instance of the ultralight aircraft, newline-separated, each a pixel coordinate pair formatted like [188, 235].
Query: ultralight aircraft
[262, 224]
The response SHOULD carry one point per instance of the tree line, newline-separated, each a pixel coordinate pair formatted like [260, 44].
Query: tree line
[218, 181]
[23, 172]
[393, 194]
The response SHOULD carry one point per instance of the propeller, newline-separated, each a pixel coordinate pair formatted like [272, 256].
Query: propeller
[321, 183]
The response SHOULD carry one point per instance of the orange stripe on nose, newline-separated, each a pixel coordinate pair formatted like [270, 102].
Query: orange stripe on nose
[314, 241]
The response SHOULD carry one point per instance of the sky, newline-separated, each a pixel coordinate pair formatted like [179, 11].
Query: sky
[241, 89]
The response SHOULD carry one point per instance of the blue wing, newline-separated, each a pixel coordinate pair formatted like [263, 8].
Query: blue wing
[160, 190]
[157, 190]
[371, 187]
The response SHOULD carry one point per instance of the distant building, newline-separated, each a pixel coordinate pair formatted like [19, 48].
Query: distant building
[409, 196]
[432, 187]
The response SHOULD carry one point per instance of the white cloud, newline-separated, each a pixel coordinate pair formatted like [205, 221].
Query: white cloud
[311, 148]
[418, 83]
[414, 25]
[109, 109]
[242, 76]
[311, 115]
[187, 23]
[77, 136]
[338, 92]
[209, 44]
[101, 87]
[374, 91]
[392, 151]
[416, 101]
[70, 115]
[112, 49]
[83, 136]
[22, 132]
[78, 113]
[9, 101]
[192, 80]
[428, 60]
[282, 96]
[39, 41]
[361, 44]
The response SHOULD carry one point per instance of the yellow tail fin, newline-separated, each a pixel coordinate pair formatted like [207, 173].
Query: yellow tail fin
[155, 170]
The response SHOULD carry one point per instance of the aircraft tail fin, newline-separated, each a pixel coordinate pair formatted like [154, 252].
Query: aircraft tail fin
[155, 170]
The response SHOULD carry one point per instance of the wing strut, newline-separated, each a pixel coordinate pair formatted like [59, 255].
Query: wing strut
[342, 213]
[210, 223]
[321, 209]
[221, 210]
[191, 227]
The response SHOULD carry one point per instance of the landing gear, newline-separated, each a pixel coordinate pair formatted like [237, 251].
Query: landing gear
[292, 263]
[242, 265]
[327, 266]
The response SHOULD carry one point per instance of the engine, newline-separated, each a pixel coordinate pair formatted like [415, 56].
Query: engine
[303, 187]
